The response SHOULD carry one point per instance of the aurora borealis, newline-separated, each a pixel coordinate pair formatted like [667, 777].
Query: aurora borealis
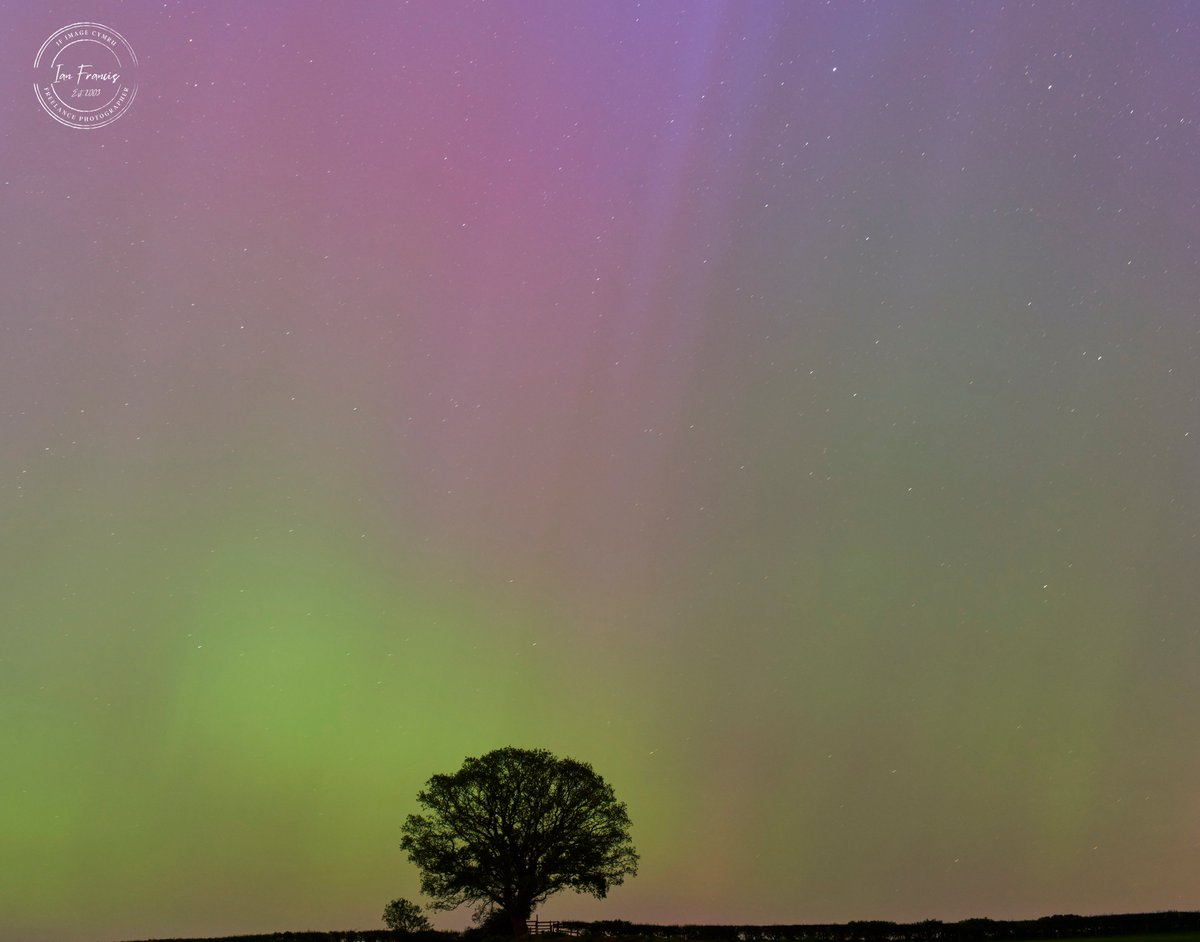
[789, 408]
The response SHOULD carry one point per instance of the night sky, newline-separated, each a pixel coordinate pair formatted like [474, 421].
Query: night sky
[789, 408]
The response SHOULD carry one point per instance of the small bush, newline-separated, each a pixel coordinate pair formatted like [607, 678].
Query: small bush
[401, 915]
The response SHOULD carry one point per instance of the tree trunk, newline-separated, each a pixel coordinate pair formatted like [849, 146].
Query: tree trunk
[520, 925]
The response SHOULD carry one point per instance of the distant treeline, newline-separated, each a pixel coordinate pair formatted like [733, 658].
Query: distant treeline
[932, 930]
[969, 930]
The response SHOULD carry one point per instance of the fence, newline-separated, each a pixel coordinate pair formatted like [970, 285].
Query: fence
[550, 927]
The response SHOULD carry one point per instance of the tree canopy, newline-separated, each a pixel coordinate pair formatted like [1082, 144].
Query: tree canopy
[515, 826]
[401, 915]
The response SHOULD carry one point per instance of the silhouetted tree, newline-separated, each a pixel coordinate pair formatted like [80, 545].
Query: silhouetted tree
[401, 915]
[512, 828]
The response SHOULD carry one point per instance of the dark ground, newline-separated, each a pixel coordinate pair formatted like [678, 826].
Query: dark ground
[1130, 927]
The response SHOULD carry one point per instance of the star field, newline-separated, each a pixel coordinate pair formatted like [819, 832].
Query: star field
[788, 408]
